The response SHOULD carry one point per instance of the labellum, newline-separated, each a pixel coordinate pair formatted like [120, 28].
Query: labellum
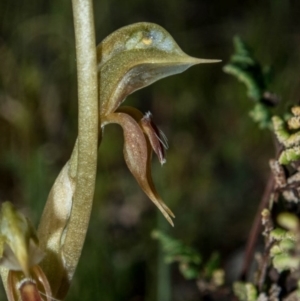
[137, 154]
[22, 288]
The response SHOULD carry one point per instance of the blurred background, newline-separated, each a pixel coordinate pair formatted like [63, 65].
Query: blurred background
[217, 162]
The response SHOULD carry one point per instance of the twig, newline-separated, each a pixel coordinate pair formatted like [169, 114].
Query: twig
[256, 227]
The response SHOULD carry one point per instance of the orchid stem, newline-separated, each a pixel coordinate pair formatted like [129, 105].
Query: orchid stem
[87, 133]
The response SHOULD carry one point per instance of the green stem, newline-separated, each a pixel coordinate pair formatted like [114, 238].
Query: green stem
[87, 133]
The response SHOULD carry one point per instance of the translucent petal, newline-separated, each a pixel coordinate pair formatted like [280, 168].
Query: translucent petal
[11, 262]
[20, 239]
[155, 136]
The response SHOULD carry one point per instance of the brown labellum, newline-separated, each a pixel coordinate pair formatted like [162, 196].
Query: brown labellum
[137, 154]
[28, 290]
[21, 288]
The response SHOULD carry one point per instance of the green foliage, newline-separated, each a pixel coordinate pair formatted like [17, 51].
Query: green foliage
[249, 71]
[245, 291]
[261, 115]
[288, 134]
[285, 250]
[282, 246]
[246, 69]
[190, 262]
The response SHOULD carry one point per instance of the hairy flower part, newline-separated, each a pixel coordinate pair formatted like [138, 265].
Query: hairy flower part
[156, 137]
[137, 154]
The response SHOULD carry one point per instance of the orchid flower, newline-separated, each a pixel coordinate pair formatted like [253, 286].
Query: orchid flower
[131, 58]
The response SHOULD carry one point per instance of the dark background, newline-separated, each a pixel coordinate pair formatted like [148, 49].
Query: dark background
[217, 162]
